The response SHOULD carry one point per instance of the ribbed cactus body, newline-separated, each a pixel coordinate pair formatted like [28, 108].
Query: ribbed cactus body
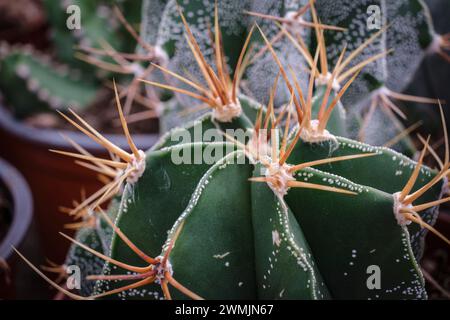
[408, 32]
[236, 239]
[34, 82]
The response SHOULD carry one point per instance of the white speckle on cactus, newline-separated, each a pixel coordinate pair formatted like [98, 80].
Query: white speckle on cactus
[324, 80]
[43, 94]
[276, 238]
[221, 256]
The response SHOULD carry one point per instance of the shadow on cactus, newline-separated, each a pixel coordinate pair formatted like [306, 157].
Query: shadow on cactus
[290, 211]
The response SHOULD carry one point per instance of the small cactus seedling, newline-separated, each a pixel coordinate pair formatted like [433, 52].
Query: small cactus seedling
[259, 221]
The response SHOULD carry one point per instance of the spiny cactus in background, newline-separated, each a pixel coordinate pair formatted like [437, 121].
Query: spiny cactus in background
[406, 33]
[168, 37]
[35, 82]
[432, 77]
[137, 65]
[410, 32]
[98, 24]
[31, 82]
[257, 221]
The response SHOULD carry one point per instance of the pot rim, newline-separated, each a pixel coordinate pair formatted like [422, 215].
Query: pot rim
[22, 207]
[52, 138]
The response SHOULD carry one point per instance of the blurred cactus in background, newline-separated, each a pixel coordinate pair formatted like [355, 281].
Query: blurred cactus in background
[34, 81]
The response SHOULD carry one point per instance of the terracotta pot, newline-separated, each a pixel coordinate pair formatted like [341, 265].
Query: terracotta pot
[22, 213]
[54, 180]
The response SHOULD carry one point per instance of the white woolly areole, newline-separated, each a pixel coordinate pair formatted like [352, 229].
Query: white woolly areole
[23, 71]
[158, 108]
[323, 80]
[398, 206]
[435, 45]
[258, 146]
[137, 69]
[313, 135]
[381, 91]
[226, 113]
[282, 176]
[160, 56]
[137, 167]
[295, 23]
[162, 269]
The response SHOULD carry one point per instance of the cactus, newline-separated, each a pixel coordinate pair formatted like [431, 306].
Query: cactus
[258, 217]
[32, 82]
[98, 24]
[410, 32]
[431, 78]
[370, 103]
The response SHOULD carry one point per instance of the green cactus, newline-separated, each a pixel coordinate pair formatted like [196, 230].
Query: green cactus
[262, 240]
[369, 103]
[411, 35]
[294, 208]
[95, 232]
[32, 82]
[255, 220]
[98, 23]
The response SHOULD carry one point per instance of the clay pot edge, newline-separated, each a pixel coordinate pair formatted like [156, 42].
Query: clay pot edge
[52, 138]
